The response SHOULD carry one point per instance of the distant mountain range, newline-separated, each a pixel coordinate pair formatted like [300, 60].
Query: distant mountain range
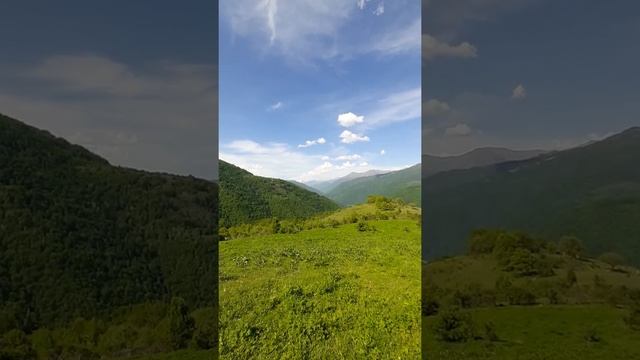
[80, 237]
[404, 184]
[478, 157]
[591, 191]
[245, 197]
[326, 186]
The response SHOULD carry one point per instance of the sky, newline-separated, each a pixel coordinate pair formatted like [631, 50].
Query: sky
[528, 74]
[313, 90]
[133, 81]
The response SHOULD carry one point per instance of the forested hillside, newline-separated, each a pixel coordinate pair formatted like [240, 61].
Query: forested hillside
[592, 192]
[81, 238]
[245, 197]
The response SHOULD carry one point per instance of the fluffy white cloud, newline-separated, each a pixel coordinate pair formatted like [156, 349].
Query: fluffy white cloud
[312, 142]
[349, 119]
[458, 130]
[519, 92]
[433, 48]
[348, 137]
[433, 107]
[382, 152]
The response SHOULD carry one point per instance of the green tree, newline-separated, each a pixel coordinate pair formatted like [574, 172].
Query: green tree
[571, 246]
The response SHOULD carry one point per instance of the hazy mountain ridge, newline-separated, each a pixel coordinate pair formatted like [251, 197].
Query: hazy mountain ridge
[591, 191]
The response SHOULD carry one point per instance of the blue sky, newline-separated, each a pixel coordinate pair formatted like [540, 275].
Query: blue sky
[528, 73]
[313, 90]
[133, 81]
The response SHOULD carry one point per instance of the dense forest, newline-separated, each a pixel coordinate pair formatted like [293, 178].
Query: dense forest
[245, 198]
[81, 239]
[591, 191]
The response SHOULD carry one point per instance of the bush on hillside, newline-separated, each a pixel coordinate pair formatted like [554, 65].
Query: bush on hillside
[454, 325]
[612, 259]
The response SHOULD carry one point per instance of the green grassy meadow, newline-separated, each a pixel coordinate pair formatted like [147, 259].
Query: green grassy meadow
[516, 297]
[556, 332]
[349, 290]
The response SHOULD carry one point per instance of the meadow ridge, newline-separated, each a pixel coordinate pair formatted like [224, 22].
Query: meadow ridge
[347, 284]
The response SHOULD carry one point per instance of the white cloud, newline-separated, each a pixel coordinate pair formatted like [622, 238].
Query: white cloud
[401, 106]
[433, 48]
[382, 152]
[458, 130]
[312, 142]
[379, 10]
[519, 92]
[276, 106]
[348, 137]
[349, 119]
[325, 158]
[364, 163]
[308, 30]
[434, 107]
[397, 41]
[348, 157]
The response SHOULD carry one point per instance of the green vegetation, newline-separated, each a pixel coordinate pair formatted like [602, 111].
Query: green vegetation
[345, 285]
[81, 239]
[518, 296]
[246, 198]
[591, 192]
[403, 184]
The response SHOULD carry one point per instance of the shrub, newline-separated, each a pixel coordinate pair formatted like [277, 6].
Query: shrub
[181, 324]
[430, 307]
[454, 326]
[364, 226]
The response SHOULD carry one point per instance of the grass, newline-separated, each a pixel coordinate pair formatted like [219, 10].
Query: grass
[329, 292]
[542, 332]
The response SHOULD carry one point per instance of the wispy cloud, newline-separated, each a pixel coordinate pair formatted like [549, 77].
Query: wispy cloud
[275, 106]
[519, 92]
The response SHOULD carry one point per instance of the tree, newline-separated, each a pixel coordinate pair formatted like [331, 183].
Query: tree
[571, 246]
[181, 324]
[612, 259]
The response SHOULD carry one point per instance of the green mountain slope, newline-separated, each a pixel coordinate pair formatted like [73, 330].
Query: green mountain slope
[328, 185]
[322, 291]
[515, 294]
[404, 184]
[79, 237]
[245, 198]
[592, 192]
